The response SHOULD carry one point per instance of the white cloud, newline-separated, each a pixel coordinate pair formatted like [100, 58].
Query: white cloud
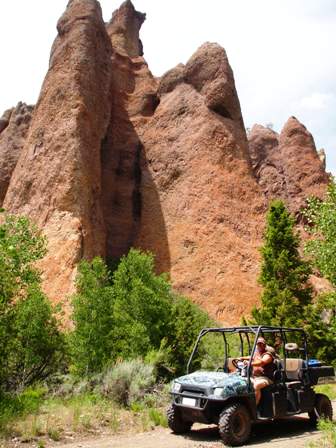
[315, 101]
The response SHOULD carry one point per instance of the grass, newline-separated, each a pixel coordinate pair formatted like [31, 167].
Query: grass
[327, 389]
[33, 417]
[157, 417]
[328, 439]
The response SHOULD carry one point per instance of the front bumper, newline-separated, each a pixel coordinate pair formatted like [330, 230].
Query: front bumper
[197, 406]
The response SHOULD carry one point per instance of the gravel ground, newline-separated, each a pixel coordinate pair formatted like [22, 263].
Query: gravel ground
[295, 432]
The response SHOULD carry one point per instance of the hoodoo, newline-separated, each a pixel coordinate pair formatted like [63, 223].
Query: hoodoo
[113, 158]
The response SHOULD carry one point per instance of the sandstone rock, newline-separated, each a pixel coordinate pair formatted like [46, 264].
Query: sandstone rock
[115, 158]
[134, 99]
[12, 140]
[287, 166]
[196, 182]
[171, 79]
[210, 73]
[322, 156]
[124, 30]
[4, 120]
[57, 180]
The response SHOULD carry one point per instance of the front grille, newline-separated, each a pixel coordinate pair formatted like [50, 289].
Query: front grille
[193, 394]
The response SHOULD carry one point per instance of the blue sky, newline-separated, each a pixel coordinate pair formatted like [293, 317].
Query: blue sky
[281, 51]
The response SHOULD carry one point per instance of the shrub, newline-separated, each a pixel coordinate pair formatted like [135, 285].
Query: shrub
[13, 406]
[321, 248]
[128, 381]
[38, 346]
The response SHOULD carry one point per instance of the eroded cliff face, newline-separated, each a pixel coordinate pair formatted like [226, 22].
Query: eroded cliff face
[114, 158]
[287, 166]
[196, 166]
[14, 127]
[57, 179]
[133, 93]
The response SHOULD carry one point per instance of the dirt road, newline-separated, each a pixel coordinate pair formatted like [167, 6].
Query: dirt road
[295, 432]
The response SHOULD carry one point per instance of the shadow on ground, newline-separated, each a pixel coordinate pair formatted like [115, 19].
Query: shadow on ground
[263, 432]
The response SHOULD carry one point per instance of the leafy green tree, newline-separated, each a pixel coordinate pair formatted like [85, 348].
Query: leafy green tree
[91, 342]
[142, 305]
[284, 275]
[128, 314]
[321, 217]
[30, 343]
[37, 347]
[186, 321]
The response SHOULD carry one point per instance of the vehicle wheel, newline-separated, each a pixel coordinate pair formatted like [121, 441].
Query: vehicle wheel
[176, 423]
[322, 409]
[235, 425]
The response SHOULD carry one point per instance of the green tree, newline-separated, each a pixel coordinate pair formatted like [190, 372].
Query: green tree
[142, 305]
[91, 342]
[37, 347]
[128, 314]
[284, 275]
[30, 343]
[186, 321]
[321, 217]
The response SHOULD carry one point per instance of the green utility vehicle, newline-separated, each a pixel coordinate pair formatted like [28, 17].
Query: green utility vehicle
[219, 389]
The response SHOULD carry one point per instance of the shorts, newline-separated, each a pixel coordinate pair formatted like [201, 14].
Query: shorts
[262, 381]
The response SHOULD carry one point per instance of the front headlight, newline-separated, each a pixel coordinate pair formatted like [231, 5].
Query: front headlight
[218, 391]
[176, 387]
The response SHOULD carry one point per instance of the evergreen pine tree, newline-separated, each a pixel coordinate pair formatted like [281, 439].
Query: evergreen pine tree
[284, 274]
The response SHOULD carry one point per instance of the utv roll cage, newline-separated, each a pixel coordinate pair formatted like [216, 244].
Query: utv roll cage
[251, 334]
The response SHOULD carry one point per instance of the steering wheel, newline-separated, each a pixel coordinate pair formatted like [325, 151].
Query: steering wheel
[235, 362]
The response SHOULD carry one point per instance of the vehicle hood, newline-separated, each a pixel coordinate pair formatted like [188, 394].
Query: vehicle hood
[232, 383]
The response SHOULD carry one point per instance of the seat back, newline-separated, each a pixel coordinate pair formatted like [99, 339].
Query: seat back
[294, 368]
[278, 373]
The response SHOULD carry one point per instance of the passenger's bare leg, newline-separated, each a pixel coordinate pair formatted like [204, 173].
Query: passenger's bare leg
[257, 395]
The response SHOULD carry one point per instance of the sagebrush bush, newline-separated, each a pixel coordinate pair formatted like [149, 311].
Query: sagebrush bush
[128, 381]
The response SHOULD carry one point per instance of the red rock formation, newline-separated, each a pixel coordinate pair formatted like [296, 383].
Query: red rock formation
[192, 144]
[14, 126]
[287, 166]
[197, 168]
[115, 158]
[133, 93]
[57, 180]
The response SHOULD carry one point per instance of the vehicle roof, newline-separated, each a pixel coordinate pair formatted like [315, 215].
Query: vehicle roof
[251, 329]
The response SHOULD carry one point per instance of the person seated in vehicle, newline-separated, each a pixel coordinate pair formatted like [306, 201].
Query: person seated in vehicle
[263, 367]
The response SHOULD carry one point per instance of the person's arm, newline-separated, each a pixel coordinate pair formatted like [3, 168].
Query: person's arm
[263, 361]
[244, 358]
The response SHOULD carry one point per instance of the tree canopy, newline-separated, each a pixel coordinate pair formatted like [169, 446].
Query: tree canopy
[284, 274]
